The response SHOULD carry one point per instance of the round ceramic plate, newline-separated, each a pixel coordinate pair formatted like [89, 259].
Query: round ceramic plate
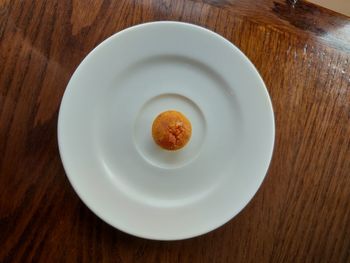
[105, 120]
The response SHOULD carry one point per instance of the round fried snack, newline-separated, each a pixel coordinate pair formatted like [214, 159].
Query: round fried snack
[171, 130]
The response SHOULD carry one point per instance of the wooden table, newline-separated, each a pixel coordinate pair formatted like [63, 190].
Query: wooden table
[300, 214]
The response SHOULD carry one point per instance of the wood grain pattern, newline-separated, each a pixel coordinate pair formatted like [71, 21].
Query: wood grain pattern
[300, 214]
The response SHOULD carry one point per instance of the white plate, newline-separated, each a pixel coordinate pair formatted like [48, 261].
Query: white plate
[104, 130]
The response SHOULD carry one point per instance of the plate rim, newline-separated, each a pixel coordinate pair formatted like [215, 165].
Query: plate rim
[76, 187]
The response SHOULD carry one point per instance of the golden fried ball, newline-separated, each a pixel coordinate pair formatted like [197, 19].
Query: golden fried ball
[171, 130]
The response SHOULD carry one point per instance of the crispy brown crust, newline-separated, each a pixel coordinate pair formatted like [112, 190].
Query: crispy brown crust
[171, 130]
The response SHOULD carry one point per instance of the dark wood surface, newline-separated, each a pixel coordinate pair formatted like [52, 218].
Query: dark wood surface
[301, 212]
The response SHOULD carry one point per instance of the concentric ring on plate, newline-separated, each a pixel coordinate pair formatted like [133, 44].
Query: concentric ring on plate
[146, 146]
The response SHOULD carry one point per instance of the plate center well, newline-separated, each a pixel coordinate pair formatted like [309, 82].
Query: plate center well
[150, 151]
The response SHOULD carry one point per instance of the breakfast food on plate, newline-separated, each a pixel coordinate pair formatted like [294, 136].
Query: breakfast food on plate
[171, 130]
